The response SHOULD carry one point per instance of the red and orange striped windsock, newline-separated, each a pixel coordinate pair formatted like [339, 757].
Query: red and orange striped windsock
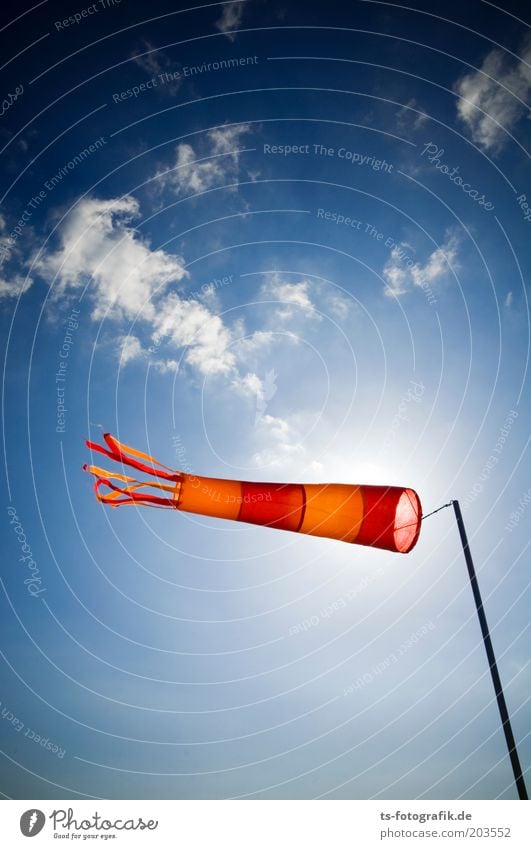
[386, 517]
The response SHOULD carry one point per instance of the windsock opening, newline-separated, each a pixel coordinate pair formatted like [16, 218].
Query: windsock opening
[391, 519]
[407, 521]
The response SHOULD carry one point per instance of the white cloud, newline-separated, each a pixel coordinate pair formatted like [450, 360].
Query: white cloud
[14, 287]
[189, 324]
[296, 294]
[226, 139]
[166, 366]
[299, 299]
[488, 105]
[231, 18]
[395, 274]
[249, 385]
[190, 174]
[6, 249]
[402, 273]
[260, 390]
[254, 343]
[99, 246]
[509, 300]
[193, 173]
[339, 306]
[438, 264]
[131, 349]
[315, 467]
[12, 282]
[278, 428]
[294, 297]
[279, 441]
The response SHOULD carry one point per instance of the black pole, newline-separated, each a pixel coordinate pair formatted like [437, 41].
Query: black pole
[498, 689]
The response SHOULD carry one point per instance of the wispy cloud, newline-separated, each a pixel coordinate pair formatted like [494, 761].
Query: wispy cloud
[166, 366]
[260, 390]
[100, 248]
[300, 299]
[339, 306]
[195, 171]
[249, 345]
[156, 62]
[131, 349]
[231, 18]
[189, 324]
[12, 283]
[99, 245]
[248, 385]
[410, 117]
[128, 280]
[294, 297]
[12, 287]
[279, 442]
[402, 273]
[489, 103]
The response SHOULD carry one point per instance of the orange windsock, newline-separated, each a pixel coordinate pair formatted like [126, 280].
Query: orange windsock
[387, 517]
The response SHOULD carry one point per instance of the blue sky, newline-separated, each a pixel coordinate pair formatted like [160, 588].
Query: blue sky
[278, 242]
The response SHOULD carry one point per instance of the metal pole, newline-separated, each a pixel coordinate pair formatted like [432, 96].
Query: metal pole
[498, 689]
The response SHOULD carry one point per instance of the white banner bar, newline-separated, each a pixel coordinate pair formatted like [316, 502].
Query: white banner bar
[266, 824]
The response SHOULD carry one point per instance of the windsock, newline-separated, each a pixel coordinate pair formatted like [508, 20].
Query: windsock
[387, 517]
